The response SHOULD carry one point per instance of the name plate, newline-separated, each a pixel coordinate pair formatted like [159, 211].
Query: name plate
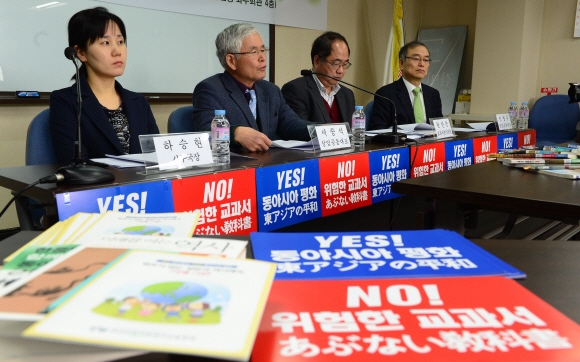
[503, 121]
[331, 137]
[442, 127]
[181, 151]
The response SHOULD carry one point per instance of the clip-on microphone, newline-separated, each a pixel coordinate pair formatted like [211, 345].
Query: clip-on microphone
[388, 137]
[78, 172]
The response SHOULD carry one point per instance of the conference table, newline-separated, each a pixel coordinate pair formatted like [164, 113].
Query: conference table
[493, 186]
[329, 192]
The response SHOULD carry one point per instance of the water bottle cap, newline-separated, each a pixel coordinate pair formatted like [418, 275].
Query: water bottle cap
[219, 112]
[513, 103]
[524, 103]
[358, 108]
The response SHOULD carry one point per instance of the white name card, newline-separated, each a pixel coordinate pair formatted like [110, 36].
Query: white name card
[331, 137]
[442, 127]
[181, 151]
[504, 121]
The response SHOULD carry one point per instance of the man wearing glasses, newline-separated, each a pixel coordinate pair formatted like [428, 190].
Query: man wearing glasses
[415, 102]
[316, 97]
[254, 107]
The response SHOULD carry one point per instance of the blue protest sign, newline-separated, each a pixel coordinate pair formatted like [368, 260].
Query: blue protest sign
[386, 167]
[359, 255]
[507, 141]
[458, 154]
[149, 197]
[287, 194]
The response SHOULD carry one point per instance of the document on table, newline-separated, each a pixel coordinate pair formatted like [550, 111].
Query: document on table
[479, 126]
[301, 145]
[117, 163]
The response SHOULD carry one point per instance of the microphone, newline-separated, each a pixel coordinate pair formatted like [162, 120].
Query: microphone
[70, 53]
[78, 172]
[387, 137]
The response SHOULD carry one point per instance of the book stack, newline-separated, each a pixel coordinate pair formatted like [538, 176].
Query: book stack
[138, 282]
[552, 160]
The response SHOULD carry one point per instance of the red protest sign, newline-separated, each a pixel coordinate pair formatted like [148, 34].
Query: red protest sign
[427, 159]
[434, 319]
[226, 201]
[483, 146]
[344, 183]
[527, 138]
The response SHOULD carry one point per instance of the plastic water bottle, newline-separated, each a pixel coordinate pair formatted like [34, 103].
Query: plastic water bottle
[358, 126]
[220, 138]
[513, 112]
[523, 116]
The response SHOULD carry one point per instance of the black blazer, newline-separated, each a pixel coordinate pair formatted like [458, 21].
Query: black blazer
[97, 137]
[382, 113]
[303, 96]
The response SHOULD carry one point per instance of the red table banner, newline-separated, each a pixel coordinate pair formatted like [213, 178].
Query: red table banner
[483, 146]
[226, 200]
[527, 138]
[427, 159]
[344, 183]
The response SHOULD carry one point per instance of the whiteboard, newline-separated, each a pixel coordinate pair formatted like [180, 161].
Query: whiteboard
[166, 52]
[446, 49]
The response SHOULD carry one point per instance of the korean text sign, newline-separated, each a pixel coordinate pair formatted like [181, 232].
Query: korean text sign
[387, 166]
[344, 183]
[434, 253]
[150, 197]
[427, 159]
[458, 154]
[424, 319]
[288, 194]
[483, 146]
[226, 201]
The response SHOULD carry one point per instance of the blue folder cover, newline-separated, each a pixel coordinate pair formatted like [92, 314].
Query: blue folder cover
[376, 254]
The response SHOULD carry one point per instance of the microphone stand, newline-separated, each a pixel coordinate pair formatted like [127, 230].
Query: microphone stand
[78, 172]
[387, 137]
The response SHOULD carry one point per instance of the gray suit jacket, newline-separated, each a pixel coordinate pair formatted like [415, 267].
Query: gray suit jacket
[220, 91]
[303, 96]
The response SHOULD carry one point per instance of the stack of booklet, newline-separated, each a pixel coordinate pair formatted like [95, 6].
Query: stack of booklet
[552, 160]
[132, 281]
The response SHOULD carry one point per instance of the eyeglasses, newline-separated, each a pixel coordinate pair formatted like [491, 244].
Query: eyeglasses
[345, 65]
[255, 52]
[418, 59]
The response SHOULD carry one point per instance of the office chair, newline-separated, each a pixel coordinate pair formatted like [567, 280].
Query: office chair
[181, 120]
[39, 147]
[368, 111]
[39, 151]
[555, 120]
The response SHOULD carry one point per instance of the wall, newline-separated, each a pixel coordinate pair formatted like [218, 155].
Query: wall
[560, 51]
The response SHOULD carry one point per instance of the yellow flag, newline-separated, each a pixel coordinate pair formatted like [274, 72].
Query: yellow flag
[398, 39]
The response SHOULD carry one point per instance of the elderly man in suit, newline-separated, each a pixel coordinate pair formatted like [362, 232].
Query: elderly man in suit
[415, 102]
[318, 98]
[255, 108]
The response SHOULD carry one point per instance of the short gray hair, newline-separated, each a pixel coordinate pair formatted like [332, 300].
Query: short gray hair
[230, 40]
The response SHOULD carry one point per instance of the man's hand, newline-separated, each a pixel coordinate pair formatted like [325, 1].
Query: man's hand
[251, 139]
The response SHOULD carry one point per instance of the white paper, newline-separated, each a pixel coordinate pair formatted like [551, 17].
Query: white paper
[118, 163]
[150, 157]
[479, 126]
[1, 75]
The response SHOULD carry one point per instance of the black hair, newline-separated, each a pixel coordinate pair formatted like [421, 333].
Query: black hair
[410, 45]
[86, 26]
[322, 46]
